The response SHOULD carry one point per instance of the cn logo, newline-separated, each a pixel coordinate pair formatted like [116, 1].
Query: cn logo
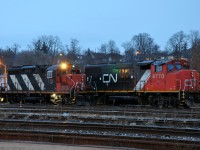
[107, 78]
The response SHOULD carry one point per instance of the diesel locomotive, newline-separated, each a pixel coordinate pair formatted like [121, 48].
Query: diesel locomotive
[154, 82]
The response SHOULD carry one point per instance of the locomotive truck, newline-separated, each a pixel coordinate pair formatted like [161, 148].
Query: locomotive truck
[154, 82]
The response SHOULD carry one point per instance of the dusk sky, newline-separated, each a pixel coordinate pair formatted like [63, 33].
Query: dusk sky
[94, 22]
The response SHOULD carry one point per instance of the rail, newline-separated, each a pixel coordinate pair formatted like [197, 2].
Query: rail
[95, 134]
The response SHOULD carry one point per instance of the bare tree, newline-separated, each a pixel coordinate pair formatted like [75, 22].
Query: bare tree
[129, 51]
[194, 37]
[89, 57]
[144, 44]
[112, 47]
[15, 47]
[113, 52]
[155, 52]
[50, 45]
[103, 48]
[8, 54]
[73, 51]
[178, 43]
[36, 45]
[195, 49]
[32, 58]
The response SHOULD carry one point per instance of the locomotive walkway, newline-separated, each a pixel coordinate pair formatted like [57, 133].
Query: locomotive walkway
[86, 126]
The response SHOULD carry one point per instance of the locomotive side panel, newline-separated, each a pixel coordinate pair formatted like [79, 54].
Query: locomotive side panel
[111, 77]
[26, 79]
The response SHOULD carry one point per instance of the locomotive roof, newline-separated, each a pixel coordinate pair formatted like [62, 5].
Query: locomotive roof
[160, 62]
[154, 62]
[21, 67]
[144, 63]
[103, 65]
[28, 67]
[25, 67]
[54, 67]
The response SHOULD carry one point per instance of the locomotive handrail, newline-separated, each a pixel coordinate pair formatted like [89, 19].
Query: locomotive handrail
[192, 82]
[76, 84]
[72, 86]
[179, 83]
[179, 94]
[95, 86]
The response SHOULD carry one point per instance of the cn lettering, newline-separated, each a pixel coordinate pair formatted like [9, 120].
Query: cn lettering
[107, 78]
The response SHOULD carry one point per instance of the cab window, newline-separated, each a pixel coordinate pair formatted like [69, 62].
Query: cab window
[170, 67]
[158, 68]
[178, 66]
[49, 74]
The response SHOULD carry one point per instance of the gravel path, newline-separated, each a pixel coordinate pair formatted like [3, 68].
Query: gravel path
[43, 146]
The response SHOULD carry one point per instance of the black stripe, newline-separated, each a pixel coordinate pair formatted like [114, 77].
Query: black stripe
[21, 82]
[11, 84]
[33, 82]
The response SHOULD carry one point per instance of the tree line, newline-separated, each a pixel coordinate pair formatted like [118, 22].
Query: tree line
[49, 50]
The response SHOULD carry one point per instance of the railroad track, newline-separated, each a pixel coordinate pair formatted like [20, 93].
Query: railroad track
[119, 111]
[189, 120]
[122, 108]
[109, 126]
[97, 134]
[118, 129]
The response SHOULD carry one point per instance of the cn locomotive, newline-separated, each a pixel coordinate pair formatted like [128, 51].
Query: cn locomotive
[43, 84]
[154, 82]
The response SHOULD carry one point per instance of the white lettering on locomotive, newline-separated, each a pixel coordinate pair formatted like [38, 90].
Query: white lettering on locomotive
[158, 76]
[108, 77]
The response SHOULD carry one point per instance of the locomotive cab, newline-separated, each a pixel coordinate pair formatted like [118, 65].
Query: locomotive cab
[173, 75]
[168, 75]
[167, 81]
[66, 81]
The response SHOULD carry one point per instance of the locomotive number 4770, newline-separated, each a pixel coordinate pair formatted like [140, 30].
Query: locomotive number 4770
[158, 76]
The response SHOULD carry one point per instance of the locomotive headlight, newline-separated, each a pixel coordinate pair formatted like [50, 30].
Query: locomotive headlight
[63, 66]
[53, 95]
[1, 99]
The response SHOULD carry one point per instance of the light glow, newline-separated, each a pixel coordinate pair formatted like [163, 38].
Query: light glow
[53, 95]
[63, 66]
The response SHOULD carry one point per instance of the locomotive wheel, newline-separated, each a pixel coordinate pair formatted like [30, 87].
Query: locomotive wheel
[92, 100]
[65, 100]
[101, 100]
[151, 100]
[143, 101]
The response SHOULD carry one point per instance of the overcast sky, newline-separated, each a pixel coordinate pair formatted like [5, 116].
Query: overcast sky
[94, 22]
